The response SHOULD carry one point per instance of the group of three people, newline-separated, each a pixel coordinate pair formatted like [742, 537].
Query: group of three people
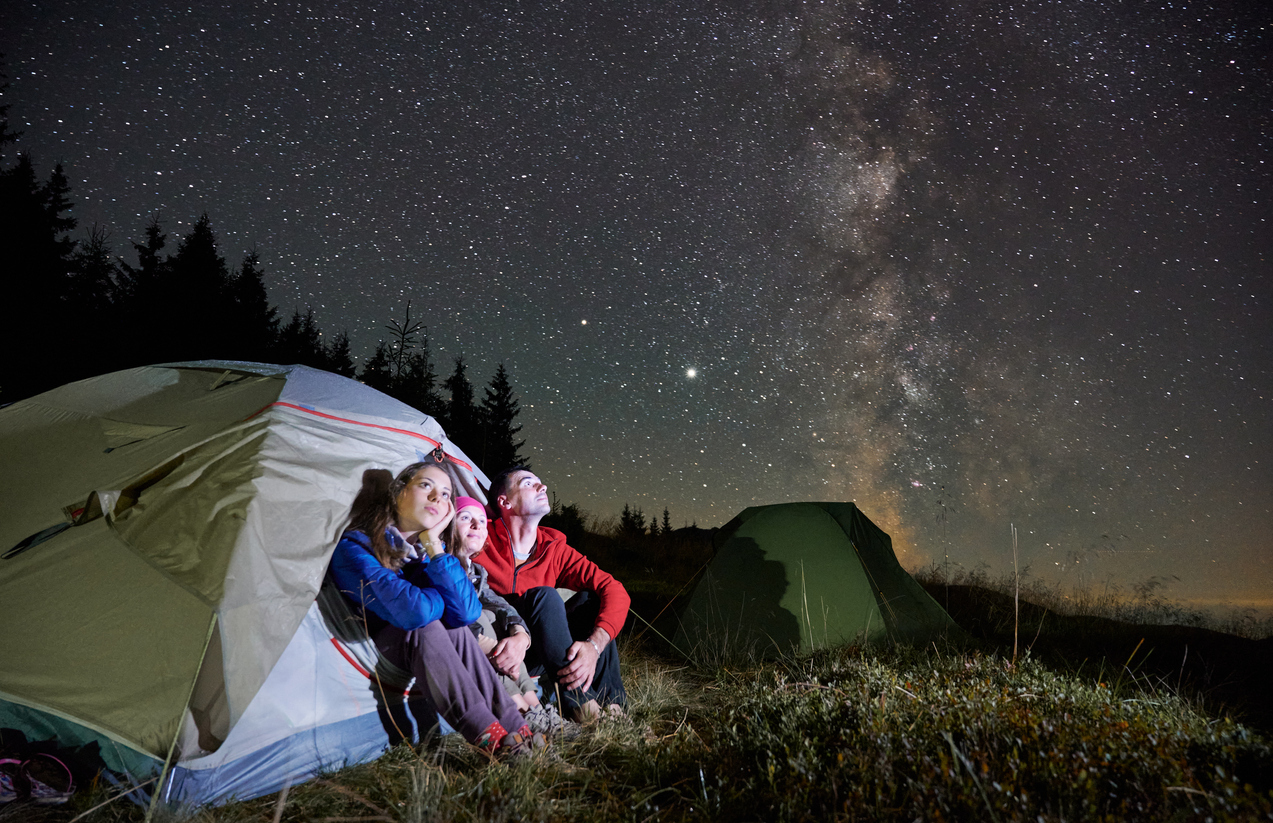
[471, 610]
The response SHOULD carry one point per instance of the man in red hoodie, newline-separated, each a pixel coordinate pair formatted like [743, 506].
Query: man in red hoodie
[570, 644]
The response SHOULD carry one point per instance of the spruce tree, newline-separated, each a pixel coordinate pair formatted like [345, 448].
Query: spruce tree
[300, 341]
[416, 385]
[500, 448]
[632, 522]
[34, 227]
[569, 520]
[195, 320]
[56, 195]
[139, 286]
[93, 273]
[377, 371]
[461, 420]
[338, 358]
[92, 304]
[256, 320]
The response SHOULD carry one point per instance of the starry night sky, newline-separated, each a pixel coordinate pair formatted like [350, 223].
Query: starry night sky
[972, 265]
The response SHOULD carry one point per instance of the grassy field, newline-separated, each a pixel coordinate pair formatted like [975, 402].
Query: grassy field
[1079, 727]
[845, 734]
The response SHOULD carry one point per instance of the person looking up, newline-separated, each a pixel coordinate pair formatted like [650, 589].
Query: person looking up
[572, 642]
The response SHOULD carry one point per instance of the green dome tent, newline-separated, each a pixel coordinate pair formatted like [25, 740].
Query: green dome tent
[165, 535]
[800, 576]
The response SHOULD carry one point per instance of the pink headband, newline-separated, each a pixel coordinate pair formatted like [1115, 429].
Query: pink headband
[466, 502]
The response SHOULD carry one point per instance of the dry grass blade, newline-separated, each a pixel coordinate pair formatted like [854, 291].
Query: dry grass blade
[108, 801]
[282, 801]
[348, 792]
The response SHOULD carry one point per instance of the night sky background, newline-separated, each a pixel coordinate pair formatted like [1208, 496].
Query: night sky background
[972, 265]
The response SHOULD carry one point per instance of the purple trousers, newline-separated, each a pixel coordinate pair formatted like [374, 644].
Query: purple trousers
[462, 682]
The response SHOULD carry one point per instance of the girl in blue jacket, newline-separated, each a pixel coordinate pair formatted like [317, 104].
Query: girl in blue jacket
[418, 602]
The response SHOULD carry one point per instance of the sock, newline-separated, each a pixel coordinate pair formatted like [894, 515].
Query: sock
[490, 738]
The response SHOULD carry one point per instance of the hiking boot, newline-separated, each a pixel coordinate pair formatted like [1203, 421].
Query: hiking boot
[518, 746]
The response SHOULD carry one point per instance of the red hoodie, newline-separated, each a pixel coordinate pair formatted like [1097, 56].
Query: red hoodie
[553, 563]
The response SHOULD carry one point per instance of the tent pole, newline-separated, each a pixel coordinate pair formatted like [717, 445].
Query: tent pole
[172, 747]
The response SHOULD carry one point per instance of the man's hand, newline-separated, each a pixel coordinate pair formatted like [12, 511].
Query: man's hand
[508, 654]
[582, 667]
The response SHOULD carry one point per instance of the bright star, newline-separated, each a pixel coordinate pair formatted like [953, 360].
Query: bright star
[691, 372]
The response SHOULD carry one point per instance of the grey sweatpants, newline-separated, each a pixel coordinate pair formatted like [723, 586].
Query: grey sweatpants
[460, 679]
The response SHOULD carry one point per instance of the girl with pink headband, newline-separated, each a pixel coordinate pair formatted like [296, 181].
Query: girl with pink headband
[501, 632]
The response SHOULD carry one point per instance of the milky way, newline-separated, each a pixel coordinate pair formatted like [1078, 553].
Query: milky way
[970, 265]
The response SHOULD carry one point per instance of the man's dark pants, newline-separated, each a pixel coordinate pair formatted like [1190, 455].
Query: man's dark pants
[554, 626]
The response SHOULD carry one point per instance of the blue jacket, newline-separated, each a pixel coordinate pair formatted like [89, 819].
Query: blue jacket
[423, 591]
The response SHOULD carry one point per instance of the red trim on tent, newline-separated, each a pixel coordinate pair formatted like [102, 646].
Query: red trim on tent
[340, 647]
[325, 416]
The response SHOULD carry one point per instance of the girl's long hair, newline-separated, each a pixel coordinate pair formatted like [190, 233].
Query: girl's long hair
[454, 541]
[376, 507]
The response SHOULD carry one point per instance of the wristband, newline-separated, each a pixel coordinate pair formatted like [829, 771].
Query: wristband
[595, 647]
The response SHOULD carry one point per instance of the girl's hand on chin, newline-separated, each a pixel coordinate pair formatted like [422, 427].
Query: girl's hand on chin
[436, 533]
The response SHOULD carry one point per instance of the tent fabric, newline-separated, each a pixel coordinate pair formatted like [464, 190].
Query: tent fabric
[802, 576]
[198, 506]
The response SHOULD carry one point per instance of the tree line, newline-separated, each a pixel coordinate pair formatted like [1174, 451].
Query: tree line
[78, 310]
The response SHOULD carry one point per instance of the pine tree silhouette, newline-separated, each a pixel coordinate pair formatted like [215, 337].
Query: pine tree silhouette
[300, 341]
[416, 386]
[462, 420]
[253, 316]
[338, 357]
[196, 276]
[377, 371]
[499, 409]
[632, 522]
[34, 227]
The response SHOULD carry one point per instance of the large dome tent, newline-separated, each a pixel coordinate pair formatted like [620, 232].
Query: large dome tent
[165, 535]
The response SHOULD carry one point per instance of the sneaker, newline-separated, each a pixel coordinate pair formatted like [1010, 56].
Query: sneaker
[545, 720]
[8, 792]
[50, 779]
[520, 746]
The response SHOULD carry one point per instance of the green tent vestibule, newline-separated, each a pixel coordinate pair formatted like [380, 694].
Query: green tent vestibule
[802, 576]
